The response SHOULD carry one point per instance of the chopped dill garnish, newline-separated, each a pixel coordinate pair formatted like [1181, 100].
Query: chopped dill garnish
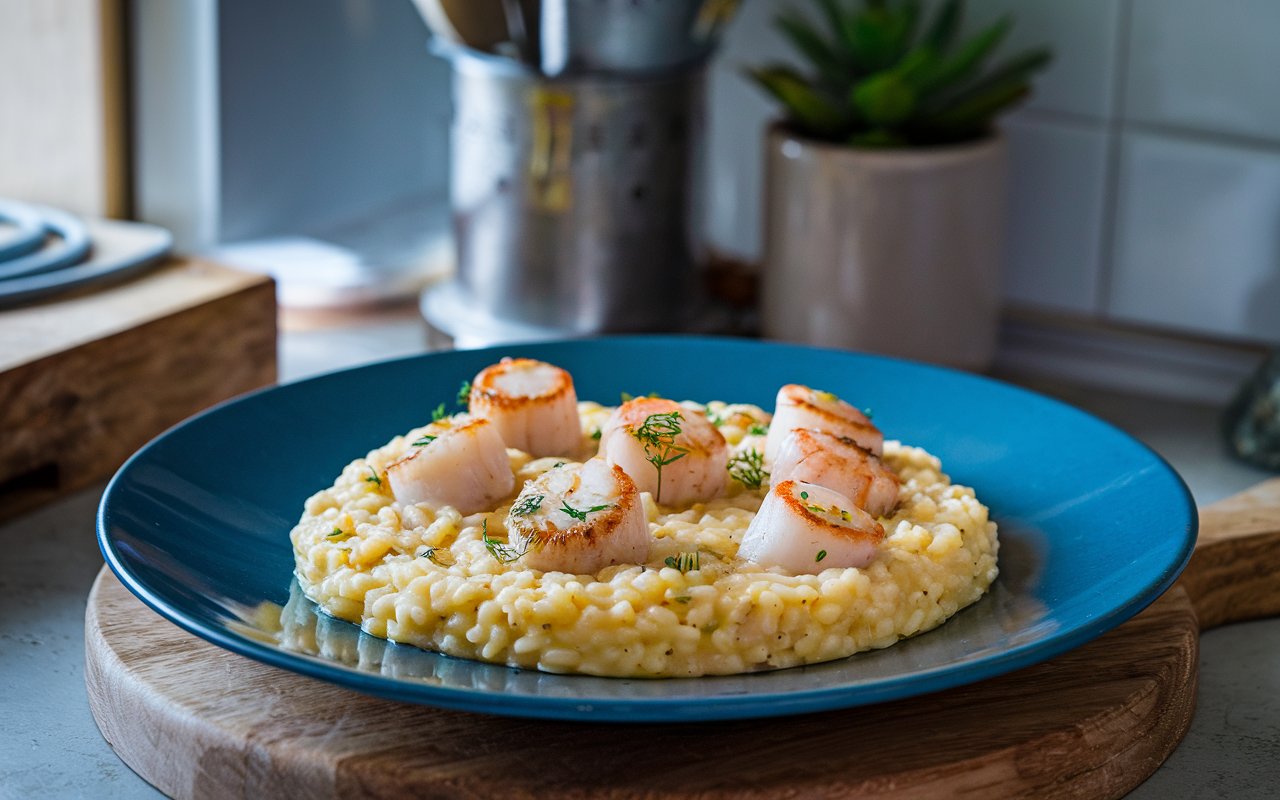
[430, 555]
[336, 533]
[425, 440]
[658, 435]
[528, 505]
[596, 434]
[821, 555]
[374, 478]
[713, 417]
[505, 553]
[685, 562]
[747, 468]
[464, 393]
[438, 413]
[580, 514]
[757, 429]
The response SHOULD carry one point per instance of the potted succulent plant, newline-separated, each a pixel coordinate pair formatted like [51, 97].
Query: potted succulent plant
[886, 181]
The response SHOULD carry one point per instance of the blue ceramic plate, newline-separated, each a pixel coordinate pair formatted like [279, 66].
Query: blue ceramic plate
[1093, 525]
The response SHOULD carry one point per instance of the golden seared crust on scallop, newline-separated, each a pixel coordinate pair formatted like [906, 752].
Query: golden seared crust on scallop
[465, 467]
[800, 406]
[838, 463]
[579, 518]
[805, 529]
[836, 519]
[533, 404]
[648, 431]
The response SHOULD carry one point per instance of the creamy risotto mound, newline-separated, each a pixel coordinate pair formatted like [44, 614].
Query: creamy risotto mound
[438, 580]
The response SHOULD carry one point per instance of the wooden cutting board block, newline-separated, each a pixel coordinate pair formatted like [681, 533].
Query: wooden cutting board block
[88, 377]
[200, 722]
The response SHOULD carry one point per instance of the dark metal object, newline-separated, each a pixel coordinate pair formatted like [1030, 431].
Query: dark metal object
[573, 199]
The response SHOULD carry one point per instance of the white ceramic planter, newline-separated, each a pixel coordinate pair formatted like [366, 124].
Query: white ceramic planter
[887, 251]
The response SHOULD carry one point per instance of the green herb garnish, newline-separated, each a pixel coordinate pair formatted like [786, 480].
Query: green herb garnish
[464, 393]
[438, 413]
[757, 429]
[804, 495]
[714, 418]
[685, 562]
[373, 478]
[425, 440]
[337, 532]
[747, 468]
[505, 553]
[658, 435]
[580, 514]
[528, 505]
[430, 555]
[596, 434]
[821, 555]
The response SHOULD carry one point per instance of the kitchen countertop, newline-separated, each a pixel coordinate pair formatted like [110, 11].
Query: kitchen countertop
[50, 747]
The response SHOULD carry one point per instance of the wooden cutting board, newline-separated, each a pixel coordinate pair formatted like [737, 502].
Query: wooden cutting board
[200, 722]
[88, 377]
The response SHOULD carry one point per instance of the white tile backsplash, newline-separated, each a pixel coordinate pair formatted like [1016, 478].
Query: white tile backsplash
[1057, 196]
[1198, 237]
[1083, 35]
[1182, 231]
[1213, 66]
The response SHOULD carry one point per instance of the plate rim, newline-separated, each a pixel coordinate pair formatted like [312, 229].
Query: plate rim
[642, 710]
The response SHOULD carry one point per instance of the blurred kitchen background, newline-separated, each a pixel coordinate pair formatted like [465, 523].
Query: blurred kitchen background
[310, 138]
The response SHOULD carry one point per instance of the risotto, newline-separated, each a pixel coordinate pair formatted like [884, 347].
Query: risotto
[440, 580]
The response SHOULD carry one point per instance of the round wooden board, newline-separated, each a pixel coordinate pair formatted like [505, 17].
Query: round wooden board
[198, 721]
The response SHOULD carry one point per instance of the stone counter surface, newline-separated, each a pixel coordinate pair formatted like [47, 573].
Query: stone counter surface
[50, 747]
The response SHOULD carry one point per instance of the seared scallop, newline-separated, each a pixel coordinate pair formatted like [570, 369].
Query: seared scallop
[806, 528]
[579, 518]
[465, 467]
[801, 407]
[670, 451]
[838, 463]
[532, 404]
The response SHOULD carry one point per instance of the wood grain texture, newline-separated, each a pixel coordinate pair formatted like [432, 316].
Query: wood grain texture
[85, 381]
[198, 721]
[1233, 573]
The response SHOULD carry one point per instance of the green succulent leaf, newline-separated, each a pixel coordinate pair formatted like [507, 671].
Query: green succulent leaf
[1016, 71]
[945, 26]
[885, 99]
[973, 117]
[807, 106]
[879, 75]
[812, 45]
[968, 58]
[868, 39]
